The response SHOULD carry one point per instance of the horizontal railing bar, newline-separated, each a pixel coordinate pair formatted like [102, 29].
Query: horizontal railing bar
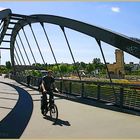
[5, 48]
[101, 83]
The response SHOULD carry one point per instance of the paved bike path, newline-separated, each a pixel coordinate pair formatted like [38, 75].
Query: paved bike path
[14, 123]
[78, 120]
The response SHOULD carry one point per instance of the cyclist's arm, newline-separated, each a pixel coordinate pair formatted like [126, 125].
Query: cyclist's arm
[43, 87]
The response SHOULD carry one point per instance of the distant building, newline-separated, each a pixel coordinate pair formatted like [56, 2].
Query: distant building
[134, 66]
[116, 70]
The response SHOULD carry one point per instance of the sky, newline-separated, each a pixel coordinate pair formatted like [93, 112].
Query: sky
[121, 17]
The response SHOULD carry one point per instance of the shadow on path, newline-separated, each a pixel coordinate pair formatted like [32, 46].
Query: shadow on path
[58, 121]
[13, 125]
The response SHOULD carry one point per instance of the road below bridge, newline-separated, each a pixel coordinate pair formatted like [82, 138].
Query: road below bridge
[76, 120]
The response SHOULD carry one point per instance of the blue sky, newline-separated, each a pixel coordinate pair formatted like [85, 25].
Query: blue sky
[121, 17]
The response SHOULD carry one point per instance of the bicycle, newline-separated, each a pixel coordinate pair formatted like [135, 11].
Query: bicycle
[49, 107]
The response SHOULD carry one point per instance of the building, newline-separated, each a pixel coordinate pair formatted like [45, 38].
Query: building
[116, 70]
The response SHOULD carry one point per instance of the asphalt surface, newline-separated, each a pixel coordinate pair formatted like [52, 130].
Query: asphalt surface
[21, 117]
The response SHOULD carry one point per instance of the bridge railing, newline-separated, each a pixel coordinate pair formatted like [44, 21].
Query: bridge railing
[121, 95]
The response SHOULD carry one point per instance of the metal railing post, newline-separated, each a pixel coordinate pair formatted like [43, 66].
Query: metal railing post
[98, 92]
[61, 86]
[82, 90]
[121, 97]
[70, 87]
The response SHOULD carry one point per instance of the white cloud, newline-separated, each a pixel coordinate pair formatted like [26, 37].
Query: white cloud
[115, 9]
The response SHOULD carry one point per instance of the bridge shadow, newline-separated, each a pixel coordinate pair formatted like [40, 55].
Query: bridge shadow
[58, 121]
[13, 125]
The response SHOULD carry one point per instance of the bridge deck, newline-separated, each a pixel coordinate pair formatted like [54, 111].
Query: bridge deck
[76, 120]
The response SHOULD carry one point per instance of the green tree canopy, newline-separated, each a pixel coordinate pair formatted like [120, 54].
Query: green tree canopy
[8, 65]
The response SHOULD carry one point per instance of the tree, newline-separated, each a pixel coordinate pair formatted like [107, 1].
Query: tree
[96, 61]
[128, 68]
[8, 65]
[64, 68]
[82, 65]
[90, 68]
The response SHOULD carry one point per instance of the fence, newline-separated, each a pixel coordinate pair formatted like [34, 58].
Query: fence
[120, 95]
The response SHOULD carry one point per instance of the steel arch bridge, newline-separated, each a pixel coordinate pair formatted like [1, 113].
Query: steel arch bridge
[12, 25]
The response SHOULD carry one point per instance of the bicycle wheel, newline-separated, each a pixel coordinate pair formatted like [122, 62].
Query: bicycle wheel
[54, 112]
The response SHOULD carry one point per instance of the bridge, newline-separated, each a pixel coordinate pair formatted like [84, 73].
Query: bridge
[21, 118]
[87, 109]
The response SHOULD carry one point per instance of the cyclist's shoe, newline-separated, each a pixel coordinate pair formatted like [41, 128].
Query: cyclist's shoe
[45, 111]
[42, 111]
[44, 114]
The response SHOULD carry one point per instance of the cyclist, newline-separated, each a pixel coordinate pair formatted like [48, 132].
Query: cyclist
[47, 86]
